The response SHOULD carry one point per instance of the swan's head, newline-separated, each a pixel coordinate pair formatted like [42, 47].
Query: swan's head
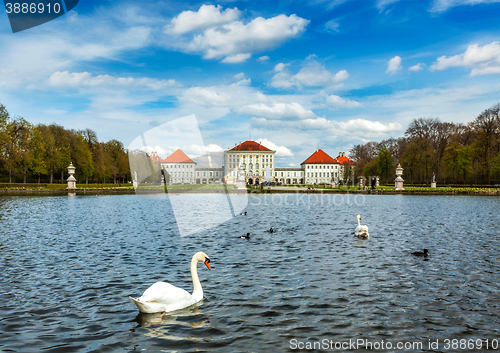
[358, 216]
[202, 257]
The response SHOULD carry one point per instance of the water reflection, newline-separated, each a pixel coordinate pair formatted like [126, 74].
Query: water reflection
[69, 265]
[161, 325]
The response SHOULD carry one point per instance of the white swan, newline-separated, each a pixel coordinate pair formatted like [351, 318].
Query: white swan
[163, 296]
[361, 230]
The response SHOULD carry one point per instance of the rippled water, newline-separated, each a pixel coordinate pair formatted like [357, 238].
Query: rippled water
[68, 265]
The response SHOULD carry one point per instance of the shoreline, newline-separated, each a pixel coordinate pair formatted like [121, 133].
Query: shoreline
[284, 190]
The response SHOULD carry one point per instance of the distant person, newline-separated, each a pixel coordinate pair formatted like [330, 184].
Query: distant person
[373, 183]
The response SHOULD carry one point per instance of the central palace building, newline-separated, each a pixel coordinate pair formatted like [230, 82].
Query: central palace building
[257, 161]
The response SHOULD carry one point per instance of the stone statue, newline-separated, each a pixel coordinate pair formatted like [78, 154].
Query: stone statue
[399, 180]
[241, 182]
[134, 180]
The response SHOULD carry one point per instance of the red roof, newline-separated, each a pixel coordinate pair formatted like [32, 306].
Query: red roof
[320, 157]
[155, 158]
[344, 160]
[250, 146]
[178, 157]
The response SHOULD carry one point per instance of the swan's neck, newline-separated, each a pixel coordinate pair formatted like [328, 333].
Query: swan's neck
[197, 291]
[358, 221]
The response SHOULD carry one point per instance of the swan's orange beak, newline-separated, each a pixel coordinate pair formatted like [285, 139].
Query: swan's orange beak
[207, 264]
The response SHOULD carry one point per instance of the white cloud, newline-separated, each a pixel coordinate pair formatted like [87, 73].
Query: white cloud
[280, 67]
[369, 126]
[456, 104]
[206, 17]
[237, 58]
[85, 79]
[281, 151]
[237, 41]
[163, 153]
[244, 82]
[416, 68]
[239, 76]
[312, 75]
[444, 5]
[382, 4]
[332, 25]
[277, 111]
[80, 38]
[485, 60]
[485, 71]
[339, 102]
[394, 65]
[317, 75]
[354, 127]
[197, 150]
[232, 96]
[263, 58]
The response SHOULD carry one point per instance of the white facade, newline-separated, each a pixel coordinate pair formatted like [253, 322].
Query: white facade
[322, 173]
[289, 175]
[258, 165]
[179, 173]
[209, 175]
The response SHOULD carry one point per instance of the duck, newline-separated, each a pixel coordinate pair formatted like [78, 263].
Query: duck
[271, 230]
[165, 297]
[243, 213]
[424, 253]
[361, 231]
[245, 236]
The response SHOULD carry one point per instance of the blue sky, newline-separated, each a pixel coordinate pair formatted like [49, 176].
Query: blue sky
[296, 75]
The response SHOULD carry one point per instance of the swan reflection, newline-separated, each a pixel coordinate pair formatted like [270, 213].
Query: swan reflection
[159, 325]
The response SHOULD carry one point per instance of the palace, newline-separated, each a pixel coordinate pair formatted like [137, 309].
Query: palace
[258, 163]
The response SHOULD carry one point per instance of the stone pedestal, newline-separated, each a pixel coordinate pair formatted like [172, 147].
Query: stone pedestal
[399, 180]
[240, 182]
[71, 179]
[433, 185]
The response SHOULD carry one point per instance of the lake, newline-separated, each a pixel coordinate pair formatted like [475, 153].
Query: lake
[69, 264]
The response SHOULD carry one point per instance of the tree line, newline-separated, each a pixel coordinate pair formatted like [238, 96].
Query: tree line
[43, 153]
[454, 153]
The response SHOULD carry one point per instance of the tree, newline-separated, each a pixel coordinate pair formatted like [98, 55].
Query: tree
[418, 159]
[487, 126]
[4, 120]
[371, 169]
[458, 160]
[81, 155]
[16, 146]
[62, 154]
[36, 157]
[116, 151]
[496, 165]
[384, 164]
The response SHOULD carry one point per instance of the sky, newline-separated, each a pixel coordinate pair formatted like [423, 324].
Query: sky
[294, 75]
